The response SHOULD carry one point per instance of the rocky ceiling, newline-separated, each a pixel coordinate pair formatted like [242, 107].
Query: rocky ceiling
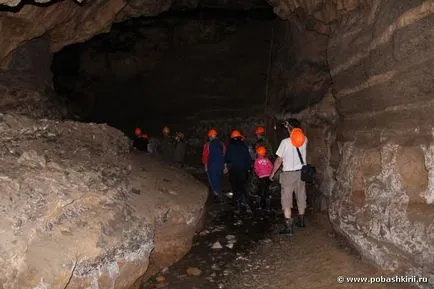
[66, 22]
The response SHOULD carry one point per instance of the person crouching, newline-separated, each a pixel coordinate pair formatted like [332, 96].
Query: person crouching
[263, 168]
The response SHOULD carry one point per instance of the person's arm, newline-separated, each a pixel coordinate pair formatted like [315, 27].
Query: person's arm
[205, 155]
[276, 166]
[279, 160]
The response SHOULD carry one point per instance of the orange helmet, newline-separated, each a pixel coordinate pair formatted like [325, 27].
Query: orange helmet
[235, 133]
[166, 130]
[260, 130]
[137, 131]
[212, 132]
[145, 135]
[297, 137]
[261, 151]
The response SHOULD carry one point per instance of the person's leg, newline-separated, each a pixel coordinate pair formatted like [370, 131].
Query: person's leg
[215, 180]
[244, 175]
[267, 194]
[287, 182]
[300, 194]
[234, 180]
[261, 192]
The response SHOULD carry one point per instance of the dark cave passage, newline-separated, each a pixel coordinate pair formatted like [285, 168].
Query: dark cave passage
[173, 69]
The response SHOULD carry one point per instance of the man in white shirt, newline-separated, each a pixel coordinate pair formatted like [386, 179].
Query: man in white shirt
[290, 178]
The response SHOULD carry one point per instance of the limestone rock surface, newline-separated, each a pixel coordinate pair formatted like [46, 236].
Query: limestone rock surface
[80, 210]
[371, 134]
[381, 64]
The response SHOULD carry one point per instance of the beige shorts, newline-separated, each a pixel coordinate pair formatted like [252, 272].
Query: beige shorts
[291, 182]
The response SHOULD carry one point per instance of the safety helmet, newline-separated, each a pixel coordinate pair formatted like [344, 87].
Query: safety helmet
[236, 133]
[212, 132]
[166, 130]
[260, 130]
[137, 131]
[145, 135]
[297, 137]
[261, 151]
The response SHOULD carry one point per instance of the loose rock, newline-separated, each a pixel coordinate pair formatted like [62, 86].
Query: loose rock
[193, 271]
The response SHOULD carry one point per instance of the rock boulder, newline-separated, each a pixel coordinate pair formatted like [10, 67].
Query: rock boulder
[80, 211]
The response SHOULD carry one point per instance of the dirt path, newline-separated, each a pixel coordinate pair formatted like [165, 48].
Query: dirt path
[314, 259]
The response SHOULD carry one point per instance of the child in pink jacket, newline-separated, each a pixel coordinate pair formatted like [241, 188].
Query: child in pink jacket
[263, 168]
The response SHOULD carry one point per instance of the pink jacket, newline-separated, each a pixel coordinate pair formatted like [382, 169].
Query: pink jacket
[263, 167]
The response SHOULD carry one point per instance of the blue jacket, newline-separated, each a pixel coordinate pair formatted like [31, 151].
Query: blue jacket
[213, 154]
[237, 155]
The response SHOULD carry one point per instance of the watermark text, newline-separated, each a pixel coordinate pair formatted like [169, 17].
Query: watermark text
[382, 279]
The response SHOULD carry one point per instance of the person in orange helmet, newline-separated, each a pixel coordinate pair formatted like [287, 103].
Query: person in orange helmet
[290, 178]
[239, 163]
[263, 168]
[213, 161]
[261, 140]
[167, 144]
[180, 149]
[141, 140]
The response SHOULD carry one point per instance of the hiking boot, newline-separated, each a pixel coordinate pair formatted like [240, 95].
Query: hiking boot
[289, 227]
[300, 222]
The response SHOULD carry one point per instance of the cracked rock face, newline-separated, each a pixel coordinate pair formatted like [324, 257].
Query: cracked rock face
[80, 211]
[375, 160]
[381, 66]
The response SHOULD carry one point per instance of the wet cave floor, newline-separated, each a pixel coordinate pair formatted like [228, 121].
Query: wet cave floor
[246, 251]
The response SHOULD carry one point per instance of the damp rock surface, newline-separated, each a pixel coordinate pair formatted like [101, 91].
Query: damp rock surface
[82, 211]
[383, 198]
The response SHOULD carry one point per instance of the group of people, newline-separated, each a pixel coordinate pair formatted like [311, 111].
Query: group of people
[234, 158]
[170, 148]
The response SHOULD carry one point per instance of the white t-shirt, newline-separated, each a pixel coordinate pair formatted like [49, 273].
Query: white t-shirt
[288, 152]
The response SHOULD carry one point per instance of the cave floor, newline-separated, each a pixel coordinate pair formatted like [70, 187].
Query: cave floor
[260, 258]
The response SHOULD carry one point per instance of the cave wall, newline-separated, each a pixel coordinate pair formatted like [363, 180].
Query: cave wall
[381, 64]
[372, 133]
[26, 87]
[67, 22]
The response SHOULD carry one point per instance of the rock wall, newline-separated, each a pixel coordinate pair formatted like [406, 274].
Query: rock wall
[299, 75]
[68, 22]
[381, 65]
[26, 87]
[80, 211]
[375, 160]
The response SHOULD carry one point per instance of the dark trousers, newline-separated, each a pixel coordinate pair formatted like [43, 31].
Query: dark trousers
[238, 179]
[263, 186]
